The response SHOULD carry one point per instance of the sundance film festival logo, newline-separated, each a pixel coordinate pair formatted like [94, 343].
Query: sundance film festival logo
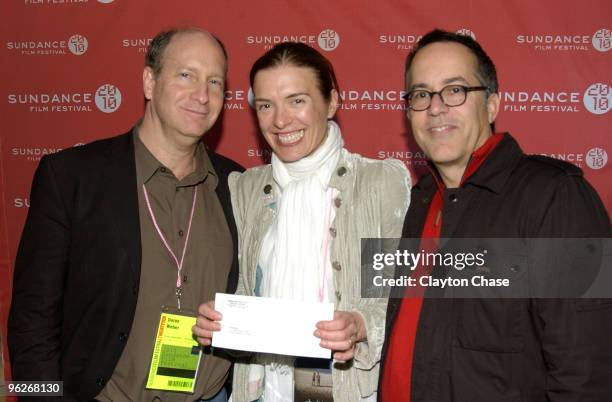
[328, 40]
[596, 158]
[371, 100]
[76, 44]
[598, 98]
[540, 101]
[602, 40]
[108, 98]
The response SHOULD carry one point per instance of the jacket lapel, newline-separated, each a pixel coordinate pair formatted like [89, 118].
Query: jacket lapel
[120, 185]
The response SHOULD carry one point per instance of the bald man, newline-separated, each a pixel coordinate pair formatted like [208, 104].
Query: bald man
[125, 231]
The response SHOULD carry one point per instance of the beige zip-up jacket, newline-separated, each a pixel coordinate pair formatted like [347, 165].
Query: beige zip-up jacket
[373, 197]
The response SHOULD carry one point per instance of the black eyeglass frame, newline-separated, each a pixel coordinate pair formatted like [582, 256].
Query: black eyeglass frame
[465, 89]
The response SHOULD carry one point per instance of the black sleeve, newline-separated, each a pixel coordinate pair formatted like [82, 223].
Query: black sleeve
[35, 318]
[576, 334]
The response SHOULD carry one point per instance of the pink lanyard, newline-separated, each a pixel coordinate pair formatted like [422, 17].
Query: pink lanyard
[179, 264]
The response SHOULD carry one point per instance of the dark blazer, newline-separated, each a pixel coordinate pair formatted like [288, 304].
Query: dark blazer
[528, 350]
[77, 269]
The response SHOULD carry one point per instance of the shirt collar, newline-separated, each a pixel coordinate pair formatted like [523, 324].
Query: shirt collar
[147, 166]
[489, 166]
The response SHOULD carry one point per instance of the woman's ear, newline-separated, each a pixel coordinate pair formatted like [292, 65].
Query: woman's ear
[333, 104]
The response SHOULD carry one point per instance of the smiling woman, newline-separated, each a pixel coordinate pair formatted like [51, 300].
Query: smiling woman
[295, 93]
[300, 221]
[291, 110]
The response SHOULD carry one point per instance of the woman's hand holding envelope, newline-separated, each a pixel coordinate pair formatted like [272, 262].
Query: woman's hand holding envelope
[342, 333]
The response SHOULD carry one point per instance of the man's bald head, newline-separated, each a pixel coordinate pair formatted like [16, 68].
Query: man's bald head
[155, 52]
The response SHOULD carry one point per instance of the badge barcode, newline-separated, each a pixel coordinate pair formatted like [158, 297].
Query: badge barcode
[179, 383]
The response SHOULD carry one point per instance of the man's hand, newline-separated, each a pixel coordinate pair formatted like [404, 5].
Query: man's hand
[341, 334]
[207, 323]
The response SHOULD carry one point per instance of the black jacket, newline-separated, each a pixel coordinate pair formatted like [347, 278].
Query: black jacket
[77, 269]
[523, 350]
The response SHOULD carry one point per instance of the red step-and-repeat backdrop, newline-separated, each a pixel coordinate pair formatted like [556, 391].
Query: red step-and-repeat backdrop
[71, 73]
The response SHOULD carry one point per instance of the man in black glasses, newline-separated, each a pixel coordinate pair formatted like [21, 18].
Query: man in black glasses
[481, 185]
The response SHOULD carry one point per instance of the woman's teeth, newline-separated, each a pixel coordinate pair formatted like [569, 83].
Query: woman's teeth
[291, 137]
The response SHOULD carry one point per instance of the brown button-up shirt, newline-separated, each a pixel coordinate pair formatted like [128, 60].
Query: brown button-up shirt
[208, 259]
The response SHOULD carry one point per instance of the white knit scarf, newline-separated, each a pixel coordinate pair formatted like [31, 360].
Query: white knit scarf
[294, 252]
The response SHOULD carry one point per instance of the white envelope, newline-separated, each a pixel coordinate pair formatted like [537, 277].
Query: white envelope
[267, 325]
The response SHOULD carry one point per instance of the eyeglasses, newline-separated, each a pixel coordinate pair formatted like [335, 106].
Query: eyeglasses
[451, 95]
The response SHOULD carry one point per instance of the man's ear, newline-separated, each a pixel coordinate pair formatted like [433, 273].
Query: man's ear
[148, 82]
[492, 107]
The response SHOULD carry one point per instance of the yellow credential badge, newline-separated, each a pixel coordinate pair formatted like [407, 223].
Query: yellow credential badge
[176, 354]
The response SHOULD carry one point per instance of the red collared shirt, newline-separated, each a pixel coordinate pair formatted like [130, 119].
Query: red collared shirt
[398, 363]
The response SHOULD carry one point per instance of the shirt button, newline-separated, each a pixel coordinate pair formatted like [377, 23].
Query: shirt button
[341, 171]
[162, 169]
[336, 265]
[453, 198]
[338, 295]
[333, 232]
[99, 381]
[267, 189]
[338, 202]
[180, 233]
[123, 336]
